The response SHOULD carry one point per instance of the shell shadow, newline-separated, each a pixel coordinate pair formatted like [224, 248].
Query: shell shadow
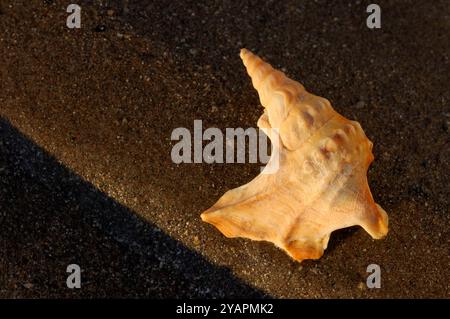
[339, 236]
[50, 217]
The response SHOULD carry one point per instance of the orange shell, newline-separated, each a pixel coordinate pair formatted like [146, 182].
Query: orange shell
[321, 182]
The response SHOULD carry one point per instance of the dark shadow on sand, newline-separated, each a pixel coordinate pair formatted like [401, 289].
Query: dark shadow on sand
[50, 218]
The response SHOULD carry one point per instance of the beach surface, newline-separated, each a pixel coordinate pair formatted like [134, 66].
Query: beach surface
[86, 117]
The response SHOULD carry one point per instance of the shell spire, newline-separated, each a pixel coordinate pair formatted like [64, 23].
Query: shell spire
[320, 185]
[266, 79]
[282, 96]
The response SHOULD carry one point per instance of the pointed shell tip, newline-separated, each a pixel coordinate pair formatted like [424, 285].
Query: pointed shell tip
[243, 52]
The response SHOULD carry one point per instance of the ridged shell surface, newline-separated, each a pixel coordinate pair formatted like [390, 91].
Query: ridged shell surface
[320, 184]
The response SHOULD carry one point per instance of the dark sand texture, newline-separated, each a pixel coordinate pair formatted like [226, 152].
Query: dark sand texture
[85, 170]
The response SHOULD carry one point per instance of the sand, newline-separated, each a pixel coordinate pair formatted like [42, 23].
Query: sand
[86, 118]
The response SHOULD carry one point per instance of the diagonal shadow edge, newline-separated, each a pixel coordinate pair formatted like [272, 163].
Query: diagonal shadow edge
[50, 217]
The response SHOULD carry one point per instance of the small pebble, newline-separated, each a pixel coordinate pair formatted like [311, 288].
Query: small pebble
[100, 28]
[360, 105]
[196, 240]
[28, 285]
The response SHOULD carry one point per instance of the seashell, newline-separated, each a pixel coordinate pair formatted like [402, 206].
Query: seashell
[320, 185]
